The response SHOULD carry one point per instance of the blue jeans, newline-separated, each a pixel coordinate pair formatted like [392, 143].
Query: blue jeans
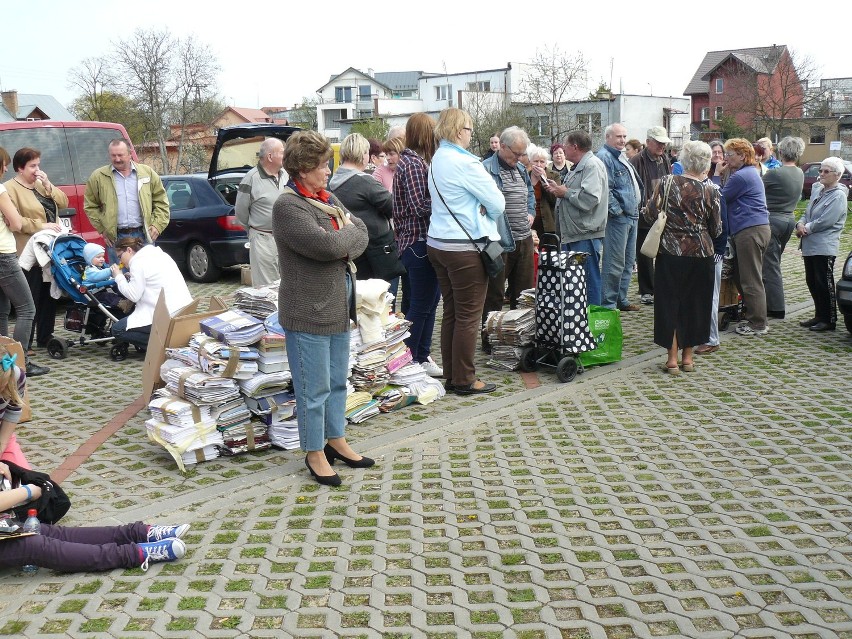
[137, 336]
[592, 266]
[15, 291]
[425, 295]
[619, 254]
[319, 365]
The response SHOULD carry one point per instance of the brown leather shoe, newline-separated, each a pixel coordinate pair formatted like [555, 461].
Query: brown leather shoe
[630, 307]
[706, 349]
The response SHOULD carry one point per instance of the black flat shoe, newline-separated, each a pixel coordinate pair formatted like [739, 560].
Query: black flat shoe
[819, 327]
[776, 314]
[809, 323]
[471, 390]
[449, 387]
[325, 480]
[331, 455]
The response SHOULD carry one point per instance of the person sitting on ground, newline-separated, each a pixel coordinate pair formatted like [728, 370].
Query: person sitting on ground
[86, 549]
[151, 271]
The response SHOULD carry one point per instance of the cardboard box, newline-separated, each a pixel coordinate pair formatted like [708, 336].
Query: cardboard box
[15, 348]
[245, 275]
[169, 331]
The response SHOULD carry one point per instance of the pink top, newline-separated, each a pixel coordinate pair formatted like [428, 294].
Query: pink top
[384, 176]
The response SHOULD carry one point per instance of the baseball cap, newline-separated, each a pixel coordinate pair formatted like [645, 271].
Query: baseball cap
[658, 133]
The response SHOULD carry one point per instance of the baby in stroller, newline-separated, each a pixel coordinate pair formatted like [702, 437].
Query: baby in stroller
[96, 272]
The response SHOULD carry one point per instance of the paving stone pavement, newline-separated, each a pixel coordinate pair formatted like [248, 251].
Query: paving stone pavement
[627, 503]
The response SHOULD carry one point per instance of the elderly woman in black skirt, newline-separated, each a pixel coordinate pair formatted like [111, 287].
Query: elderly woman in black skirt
[684, 273]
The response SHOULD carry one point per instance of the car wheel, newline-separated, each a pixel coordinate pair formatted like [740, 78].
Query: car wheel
[847, 319]
[199, 264]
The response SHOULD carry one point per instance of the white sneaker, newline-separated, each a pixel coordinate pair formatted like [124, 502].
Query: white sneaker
[646, 299]
[431, 368]
[745, 329]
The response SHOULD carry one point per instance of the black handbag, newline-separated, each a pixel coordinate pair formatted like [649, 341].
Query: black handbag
[491, 255]
[383, 258]
[53, 503]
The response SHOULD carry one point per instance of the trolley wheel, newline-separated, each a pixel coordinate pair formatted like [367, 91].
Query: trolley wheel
[724, 321]
[566, 369]
[57, 348]
[529, 360]
[118, 353]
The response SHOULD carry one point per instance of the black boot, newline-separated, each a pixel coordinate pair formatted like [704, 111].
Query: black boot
[34, 370]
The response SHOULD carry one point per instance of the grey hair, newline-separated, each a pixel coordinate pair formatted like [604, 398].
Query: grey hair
[835, 164]
[714, 143]
[396, 131]
[609, 129]
[534, 152]
[514, 133]
[695, 157]
[268, 146]
[790, 149]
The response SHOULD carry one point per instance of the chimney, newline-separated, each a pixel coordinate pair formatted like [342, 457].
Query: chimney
[10, 101]
[370, 72]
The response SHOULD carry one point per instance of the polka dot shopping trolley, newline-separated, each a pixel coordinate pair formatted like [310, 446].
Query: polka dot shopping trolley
[561, 313]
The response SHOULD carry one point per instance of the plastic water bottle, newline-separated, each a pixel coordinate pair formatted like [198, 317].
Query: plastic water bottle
[33, 525]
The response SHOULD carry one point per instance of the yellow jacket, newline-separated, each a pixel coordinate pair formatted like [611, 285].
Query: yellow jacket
[31, 209]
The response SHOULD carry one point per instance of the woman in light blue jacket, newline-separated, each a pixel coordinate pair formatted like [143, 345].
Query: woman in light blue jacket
[460, 186]
[819, 229]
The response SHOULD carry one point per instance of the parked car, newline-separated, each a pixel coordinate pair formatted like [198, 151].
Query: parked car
[70, 151]
[811, 170]
[844, 292]
[203, 234]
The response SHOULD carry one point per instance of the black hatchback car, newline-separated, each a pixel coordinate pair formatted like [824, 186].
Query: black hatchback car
[844, 292]
[203, 234]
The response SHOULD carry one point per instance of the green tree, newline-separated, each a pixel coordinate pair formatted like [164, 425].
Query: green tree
[729, 128]
[111, 107]
[305, 114]
[374, 128]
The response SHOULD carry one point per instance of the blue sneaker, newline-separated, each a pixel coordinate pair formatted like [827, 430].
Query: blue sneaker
[158, 533]
[166, 550]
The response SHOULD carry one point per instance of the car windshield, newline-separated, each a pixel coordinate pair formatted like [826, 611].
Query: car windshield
[239, 153]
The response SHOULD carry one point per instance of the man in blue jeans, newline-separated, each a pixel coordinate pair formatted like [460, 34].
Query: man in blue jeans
[619, 245]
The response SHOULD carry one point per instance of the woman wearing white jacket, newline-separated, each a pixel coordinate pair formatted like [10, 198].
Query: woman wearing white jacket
[458, 178]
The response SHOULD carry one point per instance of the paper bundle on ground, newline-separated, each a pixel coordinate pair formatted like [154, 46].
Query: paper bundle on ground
[508, 331]
[278, 407]
[181, 442]
[265, 384]
[527, 298]
[272, 353]
[236, 328]
[257, 302]
[248, 435]
[176, 411]
[285, 434]
[198, 387]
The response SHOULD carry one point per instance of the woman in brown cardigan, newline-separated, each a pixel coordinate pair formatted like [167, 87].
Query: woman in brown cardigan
[38, 201]
[317, 240]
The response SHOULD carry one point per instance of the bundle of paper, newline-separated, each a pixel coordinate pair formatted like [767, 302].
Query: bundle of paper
[199, 387]
[392, 398]
[507, 358]
[233, 417]
[265, 384]
[244, 437]
[236, 328]
[277, 407]
[527, 298]
[511, 328]
[197, 455]
[258, 302]
[363, 412]
[176, 411]
[233, 365]
[284, 434]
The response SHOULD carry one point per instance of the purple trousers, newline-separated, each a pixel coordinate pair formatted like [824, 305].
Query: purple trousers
[68, 549]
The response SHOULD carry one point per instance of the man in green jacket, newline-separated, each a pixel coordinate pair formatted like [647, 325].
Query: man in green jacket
[125, 199]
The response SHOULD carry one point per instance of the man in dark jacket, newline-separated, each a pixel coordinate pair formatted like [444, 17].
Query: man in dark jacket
[651, 165]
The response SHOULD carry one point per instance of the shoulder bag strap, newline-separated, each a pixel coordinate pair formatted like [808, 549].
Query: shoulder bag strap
[475, 245]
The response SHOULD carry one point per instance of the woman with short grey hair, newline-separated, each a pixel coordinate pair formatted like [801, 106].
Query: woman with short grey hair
[819, 229]
[783, 189]
[545, 201]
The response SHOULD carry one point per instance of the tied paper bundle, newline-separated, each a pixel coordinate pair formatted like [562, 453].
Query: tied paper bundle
[273, 408]
[265, 384]
[508, 331]
[257, 302]
[198, 387]
[176, 411]
[527, 298]
[244, 437]
[239, 362]
[285, 434]
[236, 328]
[375, 362]
[415, 381]
[360, 407]
[272, 353]
[186, 444]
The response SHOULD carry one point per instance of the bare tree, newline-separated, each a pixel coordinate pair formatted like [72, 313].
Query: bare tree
[551, 78]
[94, 79]
[490, 116]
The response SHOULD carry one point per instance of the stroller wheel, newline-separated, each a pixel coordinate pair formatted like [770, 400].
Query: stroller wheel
[529, 360]
[724, 320]
[118, 353]
[566, 370]
[57, 348]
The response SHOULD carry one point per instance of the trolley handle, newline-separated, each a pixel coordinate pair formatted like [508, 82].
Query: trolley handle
[549, 242]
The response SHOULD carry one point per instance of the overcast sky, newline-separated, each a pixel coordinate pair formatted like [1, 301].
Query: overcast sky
[269, 57]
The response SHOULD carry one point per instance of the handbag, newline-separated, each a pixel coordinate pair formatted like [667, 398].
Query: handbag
[53, 503]
[491, 255]
[651, 245]
[383, 258]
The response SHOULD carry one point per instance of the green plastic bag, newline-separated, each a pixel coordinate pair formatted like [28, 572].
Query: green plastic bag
[605, 325]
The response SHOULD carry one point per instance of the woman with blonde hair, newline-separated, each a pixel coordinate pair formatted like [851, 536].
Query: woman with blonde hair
[465, 206]
[748, 225]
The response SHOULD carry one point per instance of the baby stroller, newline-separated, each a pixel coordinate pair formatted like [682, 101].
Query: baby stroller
[561, 312]
[86, 314]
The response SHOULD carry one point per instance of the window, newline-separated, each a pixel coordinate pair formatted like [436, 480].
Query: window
[589, 122]
[483, 86]
[720, 85]
[538, 125]
[179, 194]
[87, 151]
[817, 135]
[332, 117]
[705, 113]
[441, 92]
[54, 153]
[343, 94]
[718, 114]
[365, 92]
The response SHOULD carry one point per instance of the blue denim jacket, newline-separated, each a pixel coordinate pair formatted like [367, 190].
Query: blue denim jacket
[623, 196]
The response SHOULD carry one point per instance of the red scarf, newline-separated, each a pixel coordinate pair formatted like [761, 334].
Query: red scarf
[323, 196]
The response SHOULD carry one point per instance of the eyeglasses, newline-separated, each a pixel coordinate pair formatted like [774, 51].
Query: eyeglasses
[516, 153]
[730, 154]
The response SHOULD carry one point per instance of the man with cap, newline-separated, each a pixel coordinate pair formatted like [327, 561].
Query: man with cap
[651, 165]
